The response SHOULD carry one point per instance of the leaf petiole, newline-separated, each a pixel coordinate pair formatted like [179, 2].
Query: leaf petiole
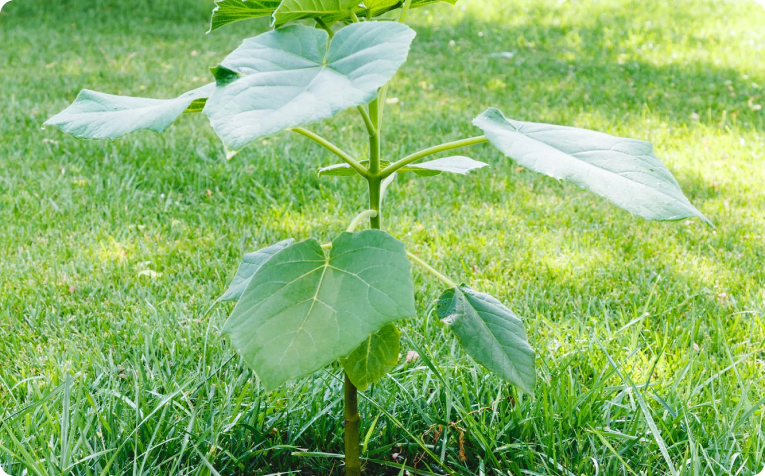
[365, 215]
[404, 11]
[425, 265]
[430, 151]
[325, 27]
[333, 148]
[367, 121]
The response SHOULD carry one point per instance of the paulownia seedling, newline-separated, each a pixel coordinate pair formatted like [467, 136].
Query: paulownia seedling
[302, 306]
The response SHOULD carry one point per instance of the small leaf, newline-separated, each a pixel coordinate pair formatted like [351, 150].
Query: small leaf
[456, 165]
[490, 333]
[291, 10]
[95, 115]
[251, 263]
[230, 11]
[624, 171]
[374, 358]
[303, 310]
[295, 75]
[345, 170]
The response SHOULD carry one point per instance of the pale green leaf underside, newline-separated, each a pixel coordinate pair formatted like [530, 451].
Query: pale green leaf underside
[230, 11]
[293, 76]
[456, 165]
[303, 310]
[490, 333]
[95, 115]
[291, 10]
[624, 171]
[250, 264]
[374, 358]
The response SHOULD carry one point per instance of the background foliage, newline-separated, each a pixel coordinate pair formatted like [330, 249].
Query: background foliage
[650, 336]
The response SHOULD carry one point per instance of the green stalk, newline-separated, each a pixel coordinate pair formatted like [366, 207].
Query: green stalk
[359, 218]
[404, 11]
[352, 429]
[325, 27]
[374, 179]
[435, 273]
[332, 148]
[430, 151]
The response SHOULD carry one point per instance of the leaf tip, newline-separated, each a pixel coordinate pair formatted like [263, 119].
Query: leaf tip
[230, 153]
[223, 75]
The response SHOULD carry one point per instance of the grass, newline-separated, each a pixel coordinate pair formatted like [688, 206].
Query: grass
[649, 335]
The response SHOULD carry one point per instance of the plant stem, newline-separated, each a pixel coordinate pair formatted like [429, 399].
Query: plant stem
[367, 121]
[430, 151]
[375, 186]
[404, 11]
[374, 178]
[325, 27]
[352, 418]
[332, 148]
[361, 216]
[425, 265]
[352, 428]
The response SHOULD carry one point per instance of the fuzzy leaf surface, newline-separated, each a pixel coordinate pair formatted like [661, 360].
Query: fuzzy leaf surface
[624, 171]
[374, 358]
[490, 333]
[303, 309]
[250, 264]
[95, 115]
[296, 75]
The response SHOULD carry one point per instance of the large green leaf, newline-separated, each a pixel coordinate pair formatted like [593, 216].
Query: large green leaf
[374, 358]
[490, 333]
[291, 10]
[250, 264]
[303, 310]
[295, 75]
[624, 171]
[95, 115]
[229, 11]
[456, 165]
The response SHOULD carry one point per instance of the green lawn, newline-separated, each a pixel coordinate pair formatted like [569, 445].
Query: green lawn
[650, 336]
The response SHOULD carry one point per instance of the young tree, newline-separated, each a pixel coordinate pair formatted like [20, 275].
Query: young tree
[302, 306]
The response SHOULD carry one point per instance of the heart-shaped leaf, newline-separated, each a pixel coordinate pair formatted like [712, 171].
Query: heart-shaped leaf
[303, 309]
[291, 10]
[490, 333]
[295, 75]
[624, 171]
[250, 264]
[374, 358]
[230, 11]
[456, 165]
[95, 115]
